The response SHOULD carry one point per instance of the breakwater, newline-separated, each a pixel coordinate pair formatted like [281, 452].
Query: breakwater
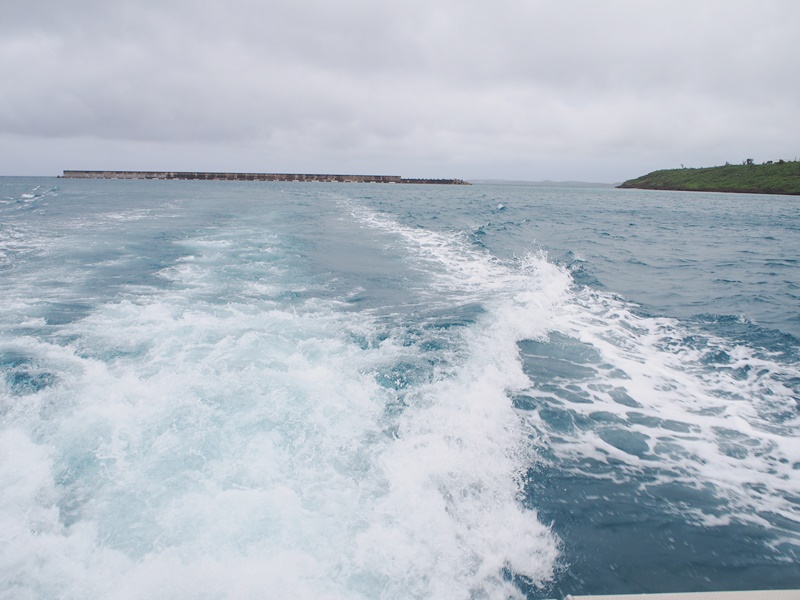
[212, 176]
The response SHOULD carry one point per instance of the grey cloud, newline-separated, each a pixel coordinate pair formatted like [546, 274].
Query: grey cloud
[513, 86]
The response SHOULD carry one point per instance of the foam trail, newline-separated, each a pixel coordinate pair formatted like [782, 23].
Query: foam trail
[176, 446]
[239, 390]
[683, 407]
[660, 399]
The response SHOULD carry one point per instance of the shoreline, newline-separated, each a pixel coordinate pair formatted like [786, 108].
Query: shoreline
[775, 178]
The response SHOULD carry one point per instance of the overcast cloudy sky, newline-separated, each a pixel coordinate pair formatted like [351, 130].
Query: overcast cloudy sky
[593, 90]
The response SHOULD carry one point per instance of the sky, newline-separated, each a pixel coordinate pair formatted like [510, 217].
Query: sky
[585, 90]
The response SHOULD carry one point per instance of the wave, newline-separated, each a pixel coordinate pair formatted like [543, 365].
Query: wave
[617, 394]
[182, 444]
[233, 424]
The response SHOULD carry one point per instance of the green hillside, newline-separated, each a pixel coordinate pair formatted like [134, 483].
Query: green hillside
[782, 177]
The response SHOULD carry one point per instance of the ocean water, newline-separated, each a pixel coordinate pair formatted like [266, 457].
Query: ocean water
[366, 391]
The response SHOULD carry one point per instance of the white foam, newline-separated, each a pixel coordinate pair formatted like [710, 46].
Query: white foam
[452, 266]
[189, 447]
[730, 429]
[204, 439]
[709, 427]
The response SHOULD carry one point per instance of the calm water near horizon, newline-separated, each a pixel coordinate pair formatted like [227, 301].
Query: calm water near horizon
[363, 391]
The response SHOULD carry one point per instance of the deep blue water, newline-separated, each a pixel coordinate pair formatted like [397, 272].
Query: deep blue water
[249, 390]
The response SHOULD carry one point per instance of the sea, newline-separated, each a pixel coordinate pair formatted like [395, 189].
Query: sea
[332, 391]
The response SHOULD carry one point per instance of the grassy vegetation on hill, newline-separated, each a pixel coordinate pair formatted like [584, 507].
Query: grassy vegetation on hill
[782, 177]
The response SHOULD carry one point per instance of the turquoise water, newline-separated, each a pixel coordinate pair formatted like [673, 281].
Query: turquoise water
[240, 390]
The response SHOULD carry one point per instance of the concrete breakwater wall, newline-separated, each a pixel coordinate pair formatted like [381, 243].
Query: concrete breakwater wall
[211, 176]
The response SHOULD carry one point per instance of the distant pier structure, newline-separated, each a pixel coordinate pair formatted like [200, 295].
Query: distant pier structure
[210, 176]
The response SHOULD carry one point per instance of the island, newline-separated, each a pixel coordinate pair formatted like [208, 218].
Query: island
[771, 177]
[217, 176]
